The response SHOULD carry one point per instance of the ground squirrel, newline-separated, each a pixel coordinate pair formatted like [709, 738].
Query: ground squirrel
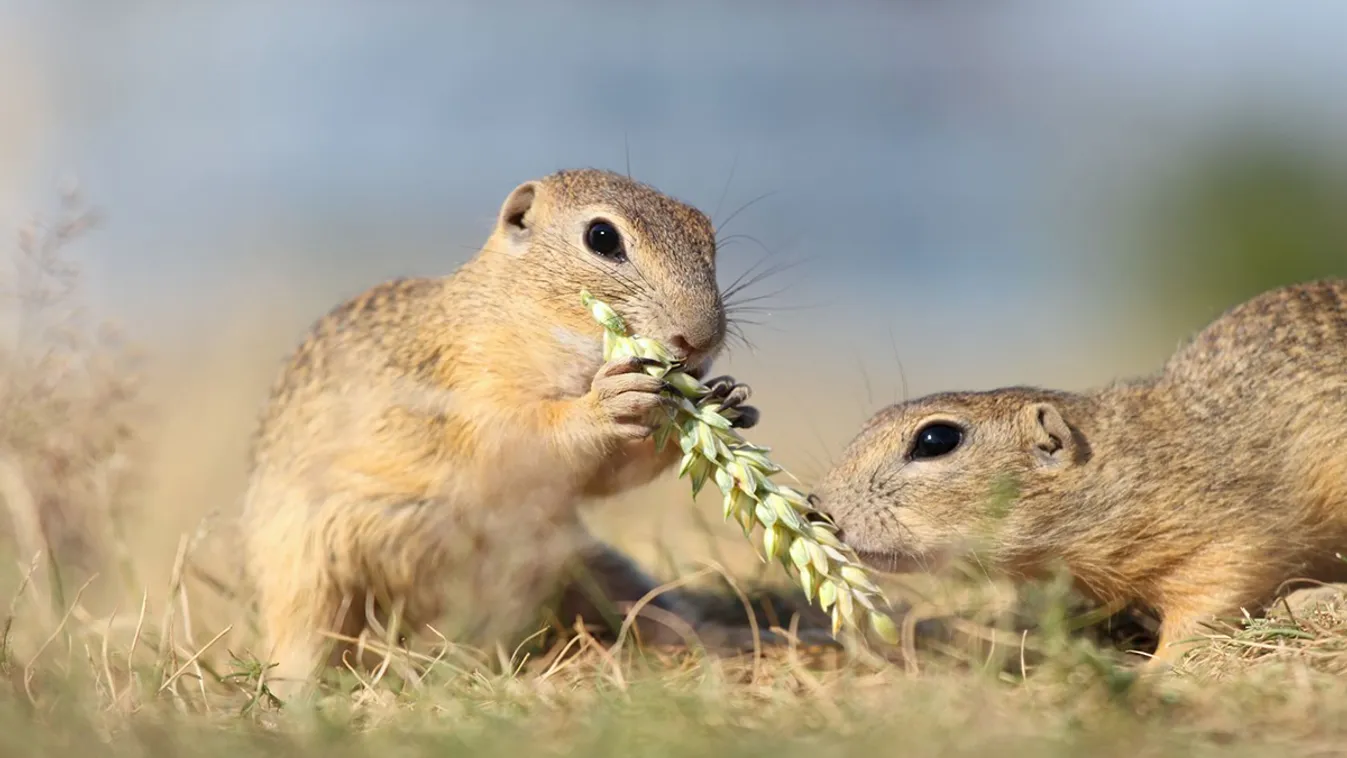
[424, 451]
[1195, 492]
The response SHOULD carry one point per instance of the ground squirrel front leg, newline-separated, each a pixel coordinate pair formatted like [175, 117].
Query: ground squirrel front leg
[732, 396]
[637, 462]
[293, 615]
[1176, 633]
[623, 400]
[1187, 609]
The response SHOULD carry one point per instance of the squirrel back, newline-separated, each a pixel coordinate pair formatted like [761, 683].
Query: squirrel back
[1196, 490]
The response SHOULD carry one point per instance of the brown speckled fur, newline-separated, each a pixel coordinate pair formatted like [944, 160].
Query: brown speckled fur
[427, 447]
[1197, 491]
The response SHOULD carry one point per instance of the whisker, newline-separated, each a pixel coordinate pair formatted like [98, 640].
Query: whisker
[722, 243]
[748, 272]
[902, 373]
[734, 164]
[626, 148]
[734, 331]
[740, 286]
[745, 207]
[865, 376]
[758, 298]
[748, 301]
[745, 321]
[768, 310]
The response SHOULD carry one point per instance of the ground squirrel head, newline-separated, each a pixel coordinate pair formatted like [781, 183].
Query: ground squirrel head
[648, 255]
[933, 478]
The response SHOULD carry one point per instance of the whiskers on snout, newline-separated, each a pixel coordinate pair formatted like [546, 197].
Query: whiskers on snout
[891, 561]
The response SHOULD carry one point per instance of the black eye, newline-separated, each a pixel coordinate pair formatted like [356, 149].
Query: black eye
[936, 439]
[602, 238]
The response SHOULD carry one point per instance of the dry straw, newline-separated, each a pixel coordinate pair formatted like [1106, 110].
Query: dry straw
[794, 533]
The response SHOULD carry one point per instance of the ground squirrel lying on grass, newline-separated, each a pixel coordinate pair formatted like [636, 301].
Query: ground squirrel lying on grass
[425, 450]
[1197, 491]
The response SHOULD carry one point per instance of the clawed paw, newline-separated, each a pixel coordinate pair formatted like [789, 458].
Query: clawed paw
[629, 397]
[732, 396]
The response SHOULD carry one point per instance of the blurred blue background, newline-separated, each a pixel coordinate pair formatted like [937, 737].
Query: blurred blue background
[976, 194]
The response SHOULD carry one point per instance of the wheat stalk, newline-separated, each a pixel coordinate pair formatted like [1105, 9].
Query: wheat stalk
[826, 569]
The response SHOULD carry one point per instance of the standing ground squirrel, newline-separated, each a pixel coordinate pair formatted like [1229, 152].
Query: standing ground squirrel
[425, 450]
[1197, 491]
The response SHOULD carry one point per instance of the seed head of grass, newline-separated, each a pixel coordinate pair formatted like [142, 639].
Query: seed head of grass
[793, 533]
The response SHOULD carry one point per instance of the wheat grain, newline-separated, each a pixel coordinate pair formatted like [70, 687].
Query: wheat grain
[806, 544]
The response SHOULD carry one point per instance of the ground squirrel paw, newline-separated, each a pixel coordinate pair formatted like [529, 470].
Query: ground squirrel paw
[629, 397]
[732, 395]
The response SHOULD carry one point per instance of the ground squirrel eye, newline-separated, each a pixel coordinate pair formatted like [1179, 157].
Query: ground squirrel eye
[935, 439]
[603, 239]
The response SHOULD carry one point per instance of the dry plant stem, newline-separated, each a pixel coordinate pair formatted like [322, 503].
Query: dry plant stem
[803, 540]
[28, 670]
[192, 661]
[167, 646]
[68, 396]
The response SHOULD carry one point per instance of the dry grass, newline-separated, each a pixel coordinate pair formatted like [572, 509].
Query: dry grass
[68, 409]
[1276, 683]
[124, 643]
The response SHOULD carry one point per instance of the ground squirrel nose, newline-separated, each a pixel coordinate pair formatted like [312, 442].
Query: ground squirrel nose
[681, 344]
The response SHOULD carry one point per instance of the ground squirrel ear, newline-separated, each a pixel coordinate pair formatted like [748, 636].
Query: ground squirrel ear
[1051, 440]
[516, 214]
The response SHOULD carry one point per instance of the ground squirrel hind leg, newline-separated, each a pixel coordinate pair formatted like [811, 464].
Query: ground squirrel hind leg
[606, 584]
[603, 585]
[1194, 601]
